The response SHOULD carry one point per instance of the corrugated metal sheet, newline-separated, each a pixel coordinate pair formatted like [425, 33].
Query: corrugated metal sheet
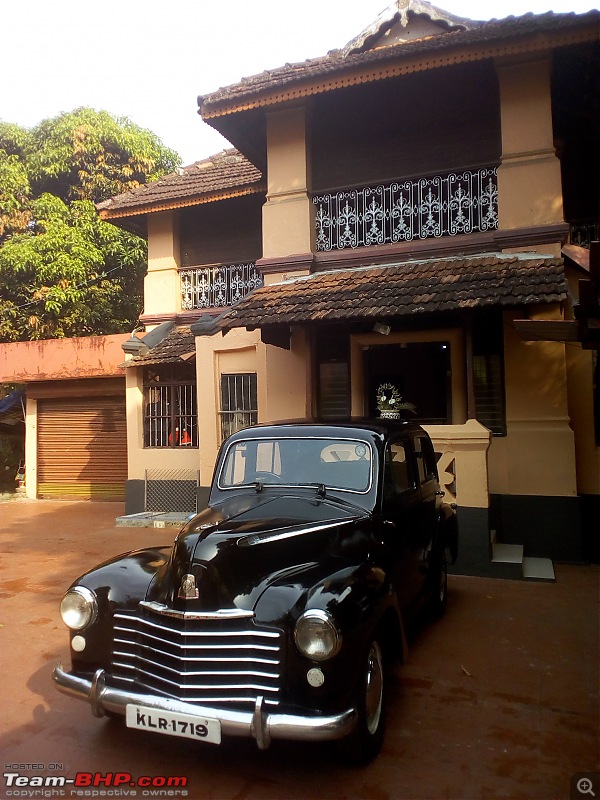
[82, 448]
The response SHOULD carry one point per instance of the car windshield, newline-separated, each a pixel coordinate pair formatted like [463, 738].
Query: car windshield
[343, 464]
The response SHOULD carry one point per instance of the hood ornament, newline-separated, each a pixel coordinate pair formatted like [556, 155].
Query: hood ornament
[188, 590]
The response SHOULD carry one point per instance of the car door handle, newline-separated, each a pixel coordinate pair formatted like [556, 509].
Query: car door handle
[389, 524]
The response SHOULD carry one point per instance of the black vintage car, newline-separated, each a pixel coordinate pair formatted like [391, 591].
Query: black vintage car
[278, 607]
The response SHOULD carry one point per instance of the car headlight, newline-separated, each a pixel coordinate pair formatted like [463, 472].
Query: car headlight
[316, 635]
[78, 608]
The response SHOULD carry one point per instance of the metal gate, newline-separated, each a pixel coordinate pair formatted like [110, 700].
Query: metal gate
[82, 448]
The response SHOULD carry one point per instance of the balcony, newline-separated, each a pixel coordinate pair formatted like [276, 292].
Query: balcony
[582, 232]
[217, 286]
[441, 205]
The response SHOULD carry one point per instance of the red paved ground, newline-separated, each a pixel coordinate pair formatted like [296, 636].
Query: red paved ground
[498, 700]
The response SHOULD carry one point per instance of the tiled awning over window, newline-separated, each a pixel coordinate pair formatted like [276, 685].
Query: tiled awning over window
[406, 289]
[178, 345]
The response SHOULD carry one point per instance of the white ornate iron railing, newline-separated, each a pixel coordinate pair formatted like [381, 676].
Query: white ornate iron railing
[584, 232]
[461, 202]
[216, 287]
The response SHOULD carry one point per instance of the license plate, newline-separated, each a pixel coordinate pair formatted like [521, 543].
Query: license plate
[172, 723]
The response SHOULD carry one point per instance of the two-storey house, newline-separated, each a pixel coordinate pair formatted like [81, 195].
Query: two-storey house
[412, 209]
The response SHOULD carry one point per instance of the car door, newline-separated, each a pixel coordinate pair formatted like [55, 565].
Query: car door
[400, 518]
[427, 509]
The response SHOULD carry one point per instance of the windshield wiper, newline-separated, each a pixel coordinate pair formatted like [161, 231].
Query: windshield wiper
[320, 487]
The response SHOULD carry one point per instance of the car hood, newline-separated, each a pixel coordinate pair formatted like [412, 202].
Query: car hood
[241, 547]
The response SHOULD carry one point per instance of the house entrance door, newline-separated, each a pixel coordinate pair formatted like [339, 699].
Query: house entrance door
[421, 373]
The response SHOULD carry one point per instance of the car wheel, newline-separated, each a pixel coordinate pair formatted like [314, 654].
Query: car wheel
[438, 599]
[364, 743]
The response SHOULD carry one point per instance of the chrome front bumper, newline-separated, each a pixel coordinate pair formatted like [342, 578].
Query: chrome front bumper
[258, 725]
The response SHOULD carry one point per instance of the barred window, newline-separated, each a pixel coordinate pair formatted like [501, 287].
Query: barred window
[239, 404]
[170, 406]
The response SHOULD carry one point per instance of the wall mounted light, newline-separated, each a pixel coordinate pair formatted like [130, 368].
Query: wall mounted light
[379, 327]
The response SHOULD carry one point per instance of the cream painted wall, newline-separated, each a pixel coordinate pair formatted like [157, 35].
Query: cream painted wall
[31, 448]
[580, 373]
[281, 376]
[538, 454]
[457, 361]
[463, 463]
[288, 379]
[215, 355]
[162, 293]
[140, 458]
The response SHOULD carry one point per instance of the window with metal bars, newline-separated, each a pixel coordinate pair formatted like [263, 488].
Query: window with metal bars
[170, 406]
[239, 404]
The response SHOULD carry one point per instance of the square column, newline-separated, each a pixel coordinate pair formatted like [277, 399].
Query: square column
[529, 178]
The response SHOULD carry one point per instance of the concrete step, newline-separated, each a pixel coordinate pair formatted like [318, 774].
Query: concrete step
[538, 569]
[532, 569]
[507, 553]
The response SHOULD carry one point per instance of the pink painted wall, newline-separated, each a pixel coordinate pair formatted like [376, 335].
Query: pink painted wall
[60, 359]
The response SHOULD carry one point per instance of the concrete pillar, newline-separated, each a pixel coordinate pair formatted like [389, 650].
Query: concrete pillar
[288, 215]
[529, 179]
[162, 293]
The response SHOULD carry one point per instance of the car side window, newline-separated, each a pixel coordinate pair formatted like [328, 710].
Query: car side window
[425, 459]
[398, 474]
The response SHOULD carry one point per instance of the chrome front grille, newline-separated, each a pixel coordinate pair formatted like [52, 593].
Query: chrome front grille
[222, 659]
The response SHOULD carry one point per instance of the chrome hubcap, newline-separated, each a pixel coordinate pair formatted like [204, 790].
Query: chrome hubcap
[374, 687]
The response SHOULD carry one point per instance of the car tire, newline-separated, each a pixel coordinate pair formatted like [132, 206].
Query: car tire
[438, 599]
[364, 743]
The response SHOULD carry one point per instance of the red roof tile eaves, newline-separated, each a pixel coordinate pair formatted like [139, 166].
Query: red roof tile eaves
[406, 289]
[528, 32]
[151, 207]
[217, 177]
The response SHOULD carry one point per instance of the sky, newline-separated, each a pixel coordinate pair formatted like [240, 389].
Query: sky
[148, 60]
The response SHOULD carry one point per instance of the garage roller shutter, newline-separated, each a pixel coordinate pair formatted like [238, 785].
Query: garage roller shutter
[82, 448]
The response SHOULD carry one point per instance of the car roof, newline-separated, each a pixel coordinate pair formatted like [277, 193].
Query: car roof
[381, 427]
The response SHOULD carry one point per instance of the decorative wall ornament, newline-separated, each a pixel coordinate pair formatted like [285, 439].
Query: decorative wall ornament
[390, 404]
[458, 203]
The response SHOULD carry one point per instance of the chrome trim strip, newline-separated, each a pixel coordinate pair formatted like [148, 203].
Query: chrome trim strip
[245, 633]
[273, 662]
[257, 725]
[222, 687]
[233, 646]
[287, 533]
[221, 614]
[185, 646]
[139, 663]
[240, 675]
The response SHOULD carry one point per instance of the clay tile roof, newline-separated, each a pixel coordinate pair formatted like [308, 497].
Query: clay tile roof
[404, 289]
[336, 62]
[218, 176]
[178, 345]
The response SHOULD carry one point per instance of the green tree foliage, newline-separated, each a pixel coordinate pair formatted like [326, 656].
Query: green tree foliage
[64, 272]
[91, 155]
[14, 194]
